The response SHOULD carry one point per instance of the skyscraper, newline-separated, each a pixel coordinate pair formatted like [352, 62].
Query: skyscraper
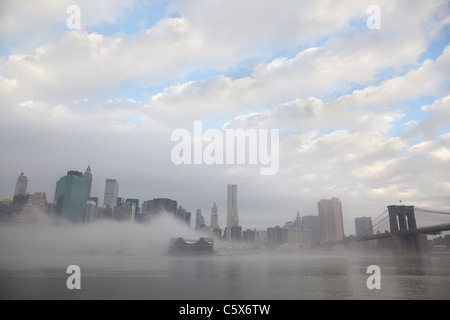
[188, 218]
[33, 210]
[363, 226]
[298, 234]
[313, 223]
[214, 217]
[134, 203]
[88, 174]
[276, 236]
[181, 213]
[155, 207]
[199, 220]
[111, 194]
[5, 211]
[330, 220]
[71, 196]
[21, 185]
[232, 209]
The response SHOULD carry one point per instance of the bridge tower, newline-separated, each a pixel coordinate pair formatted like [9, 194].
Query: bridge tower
[401, 219]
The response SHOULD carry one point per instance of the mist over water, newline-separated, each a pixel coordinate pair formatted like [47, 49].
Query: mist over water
[123, 260]
[104, 237]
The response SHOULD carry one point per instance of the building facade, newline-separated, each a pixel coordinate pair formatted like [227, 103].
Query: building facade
[181, 213]
[313, 223]
[111, 194]
[363, 226]
[298, 234]
[88, 174]
[6, 211]
[21, 185]
[91, 209]
[199, 220]
[19, 202]
[155, 207]
[276, 236]
[236, 233]
[182, 246]
[249, 236]
[71, 197]
[232, 209]
[214, 217]
[331, 224]
[188, 218]
[34, 210]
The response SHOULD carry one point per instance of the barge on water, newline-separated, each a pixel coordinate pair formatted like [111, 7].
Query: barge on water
[179, 246]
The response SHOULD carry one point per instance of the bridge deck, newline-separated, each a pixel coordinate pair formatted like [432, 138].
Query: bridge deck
[424, 230]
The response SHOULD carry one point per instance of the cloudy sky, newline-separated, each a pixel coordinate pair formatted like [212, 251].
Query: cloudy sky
[363, 113]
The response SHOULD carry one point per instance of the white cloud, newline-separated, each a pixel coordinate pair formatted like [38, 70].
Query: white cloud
[438, 115]
[333, 87]
[38, 21]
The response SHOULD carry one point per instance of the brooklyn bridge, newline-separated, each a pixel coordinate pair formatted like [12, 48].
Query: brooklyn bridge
[404, 232]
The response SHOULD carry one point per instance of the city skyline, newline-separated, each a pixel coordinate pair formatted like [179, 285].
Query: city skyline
[332, 212]
[111, 194]
[362, 112]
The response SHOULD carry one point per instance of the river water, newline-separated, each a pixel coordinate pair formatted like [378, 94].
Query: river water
[275, 276]
[128, 261]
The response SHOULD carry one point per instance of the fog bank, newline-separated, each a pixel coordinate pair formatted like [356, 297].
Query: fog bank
[101, 238]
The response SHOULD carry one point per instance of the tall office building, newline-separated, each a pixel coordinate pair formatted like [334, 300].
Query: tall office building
[21, 185]
[71, 197]
[111, 194]
[88, 174]
[188, 218]
[199, 220]
[298, 234]
[154, 207]
[91, 209]
[236, 233]
[313, 223]
[19, 202]
[331, 223]
[6, 211]
[134, 202]
[33, 210]
[249, 236]
[181, 213]
[232, 209]
[126, 210]
[214, 217]
[363, 226]
[276, 236]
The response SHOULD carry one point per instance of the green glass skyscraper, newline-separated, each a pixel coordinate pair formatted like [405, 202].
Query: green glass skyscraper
[71, 196]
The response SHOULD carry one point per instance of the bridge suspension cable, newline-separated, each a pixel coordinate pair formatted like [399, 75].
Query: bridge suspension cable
[376, 224]
[383, 222]
[430, 211]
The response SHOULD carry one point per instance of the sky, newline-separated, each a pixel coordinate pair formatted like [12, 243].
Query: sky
[363, 112]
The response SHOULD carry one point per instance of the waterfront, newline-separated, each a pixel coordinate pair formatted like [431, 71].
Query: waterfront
[131, 261]
[276, 276]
